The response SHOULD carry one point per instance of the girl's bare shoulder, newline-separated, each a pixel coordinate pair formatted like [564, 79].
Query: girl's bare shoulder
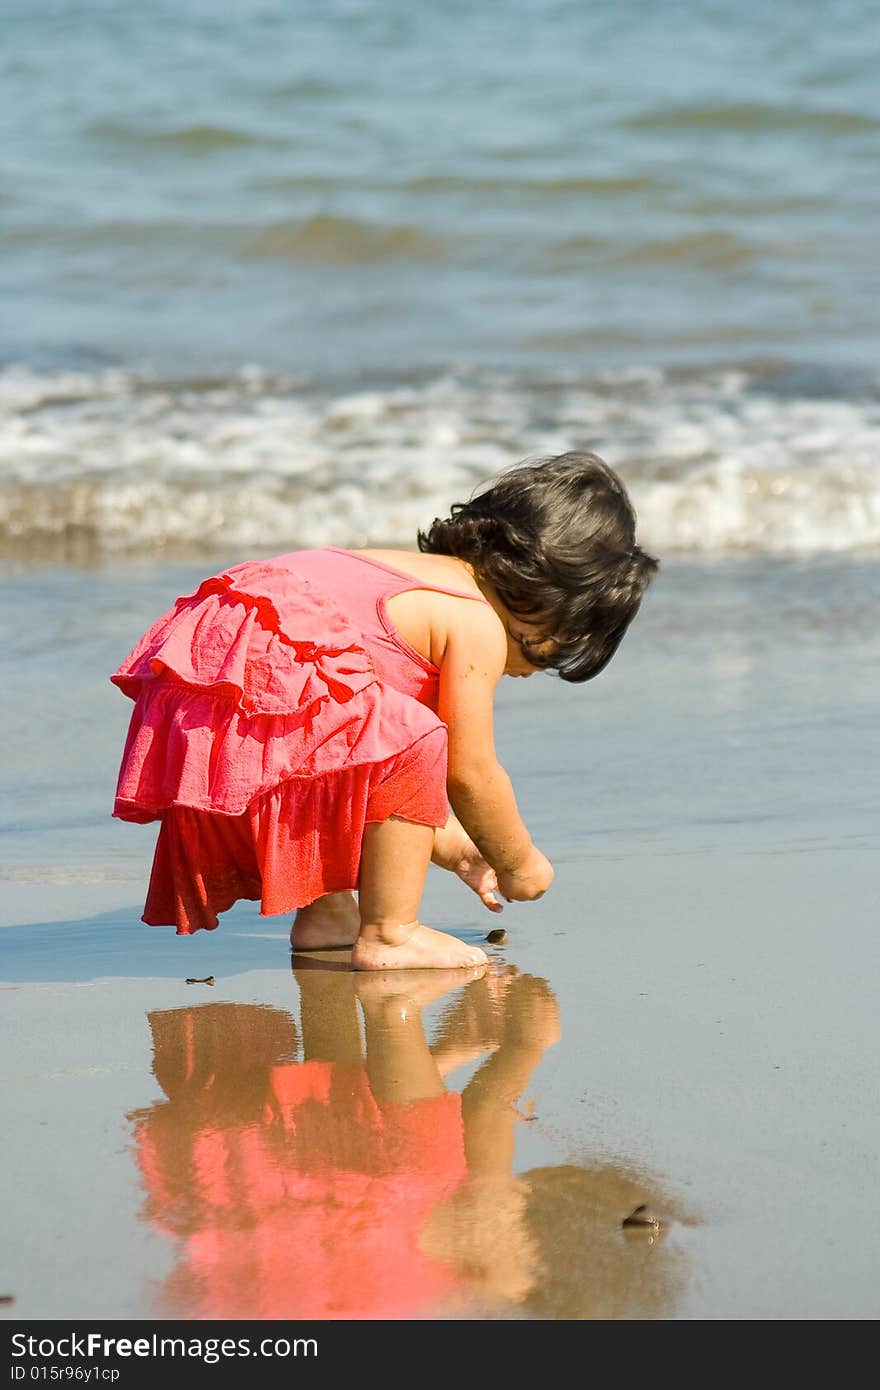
[431, 621]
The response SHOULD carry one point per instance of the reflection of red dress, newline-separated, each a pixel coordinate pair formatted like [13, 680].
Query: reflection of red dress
[317, 1212]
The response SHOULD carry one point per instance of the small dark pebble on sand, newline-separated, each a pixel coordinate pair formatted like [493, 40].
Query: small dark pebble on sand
[641, 1219]
[208, 980]
[497, 936]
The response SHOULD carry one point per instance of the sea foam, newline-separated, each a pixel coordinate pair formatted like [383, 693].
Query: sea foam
[716, 461]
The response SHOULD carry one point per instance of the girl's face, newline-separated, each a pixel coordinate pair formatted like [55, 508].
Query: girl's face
[519, 630]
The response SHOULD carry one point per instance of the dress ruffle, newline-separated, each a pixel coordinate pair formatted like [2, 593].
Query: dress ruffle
[243, 634]
[235, 695]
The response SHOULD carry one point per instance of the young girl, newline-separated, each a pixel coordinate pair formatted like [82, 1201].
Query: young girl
[303, 724]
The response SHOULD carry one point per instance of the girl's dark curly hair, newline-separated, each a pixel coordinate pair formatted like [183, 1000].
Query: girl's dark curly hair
[556, 539]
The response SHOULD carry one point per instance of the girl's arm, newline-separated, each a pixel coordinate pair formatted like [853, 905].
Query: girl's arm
[479, 789]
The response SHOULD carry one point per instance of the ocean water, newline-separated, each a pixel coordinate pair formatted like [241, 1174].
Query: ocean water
[366, 183]
[286, 273]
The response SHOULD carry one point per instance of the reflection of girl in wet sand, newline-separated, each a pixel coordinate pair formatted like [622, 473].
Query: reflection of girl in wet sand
[351, 1184]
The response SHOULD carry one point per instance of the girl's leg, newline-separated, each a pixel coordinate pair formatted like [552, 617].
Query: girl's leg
[334, 921]
[394, 863]
[330, 921]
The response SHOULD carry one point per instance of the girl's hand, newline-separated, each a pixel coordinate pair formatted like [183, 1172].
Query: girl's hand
[455, 850]
[473, 870]
[531, 880]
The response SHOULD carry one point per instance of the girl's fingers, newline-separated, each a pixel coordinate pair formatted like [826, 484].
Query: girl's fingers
[482, 879]
[491, 901]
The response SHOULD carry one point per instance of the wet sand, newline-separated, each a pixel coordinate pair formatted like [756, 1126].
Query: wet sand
[166, 1141]
[687, 1021]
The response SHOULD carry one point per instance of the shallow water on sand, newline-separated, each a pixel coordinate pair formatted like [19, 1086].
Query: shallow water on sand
[687, 1020]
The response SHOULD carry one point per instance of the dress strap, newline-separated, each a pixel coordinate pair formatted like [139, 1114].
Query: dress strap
[412, 581]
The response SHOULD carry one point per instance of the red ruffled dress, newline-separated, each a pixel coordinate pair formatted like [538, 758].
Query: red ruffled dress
[277, 712]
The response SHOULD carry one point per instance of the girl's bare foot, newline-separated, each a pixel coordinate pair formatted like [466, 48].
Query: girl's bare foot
[412, 947]
[331, 921]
